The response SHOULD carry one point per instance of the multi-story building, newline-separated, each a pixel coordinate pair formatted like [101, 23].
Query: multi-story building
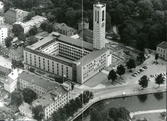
[99, 17]
[35, 21]
[162, 50]
[62, 55]
[3, 35]
[15, 15]
[50, 95]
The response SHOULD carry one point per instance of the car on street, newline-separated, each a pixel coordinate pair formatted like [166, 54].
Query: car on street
[133, 75]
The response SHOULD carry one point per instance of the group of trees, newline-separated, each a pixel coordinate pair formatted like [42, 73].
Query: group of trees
[143, 82]
[120, 71]
[72, 107]
[112, 114]
[17, 64]
[38, 112]
[131, 64]
[27, 95]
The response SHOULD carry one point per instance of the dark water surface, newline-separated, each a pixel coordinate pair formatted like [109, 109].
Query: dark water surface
[133, 103]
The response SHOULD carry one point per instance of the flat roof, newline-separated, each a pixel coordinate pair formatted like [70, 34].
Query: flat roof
[50, 97]
[42, 42]
[90, 57]
[98, 4]
[63, 58]
[32, 78]
[75, 42]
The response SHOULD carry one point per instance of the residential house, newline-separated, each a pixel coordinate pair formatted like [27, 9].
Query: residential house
[4, 72]
[162, 50]
[62, 28]
[15, 15]
[50, 95]
[25, 109]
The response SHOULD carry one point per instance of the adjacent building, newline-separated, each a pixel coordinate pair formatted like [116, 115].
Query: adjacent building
[2, 20]
[3, 35]
[76, 59]
[15, 15]
[50, 95]
[35, 21]
[83, 24]
[25, 109]
[62, 28]
[162, 50]
[16, 54]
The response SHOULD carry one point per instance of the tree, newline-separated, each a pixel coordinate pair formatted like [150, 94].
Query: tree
[78, 102]
[143, 82]
[131, 64]
[95, 115]
[33, 31]
[8, 41]
[142, 98]
[158, 96]
[156, 57]
[17, 64]
[31, 40]
[141, 58]
[30, 15]
[38, 112]
[120, 70]
[16, 98]
[22, 36]
[29, 95]
[142, 41]
[159, 79]
[17, 29]
[112, 75]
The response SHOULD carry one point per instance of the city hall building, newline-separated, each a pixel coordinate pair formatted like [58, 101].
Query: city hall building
[75, 59]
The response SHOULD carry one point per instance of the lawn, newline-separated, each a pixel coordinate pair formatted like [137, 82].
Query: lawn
[149, 117]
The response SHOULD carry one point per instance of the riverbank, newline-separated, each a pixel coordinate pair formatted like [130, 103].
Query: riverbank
[117, 94]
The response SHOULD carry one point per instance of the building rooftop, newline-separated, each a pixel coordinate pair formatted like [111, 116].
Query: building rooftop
[62, 38]
[75, 42]
[37, 80]
[163, 45]
[42, 42]
[26, 107]
[4, 70]
[93, 55]
[49, 97]
[98, 4]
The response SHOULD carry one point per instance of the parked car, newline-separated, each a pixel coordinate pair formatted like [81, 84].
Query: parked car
[134, 75]
[145, 67]
[151, 75]
[141, 70]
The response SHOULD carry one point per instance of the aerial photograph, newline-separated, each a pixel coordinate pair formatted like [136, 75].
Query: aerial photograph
[83, 60]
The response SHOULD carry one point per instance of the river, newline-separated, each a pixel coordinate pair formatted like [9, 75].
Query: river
[133, 103]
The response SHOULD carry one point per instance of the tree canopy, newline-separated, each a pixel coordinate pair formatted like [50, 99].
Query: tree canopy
[112, 75]
[38, 112]
[143, 82]
[120, 70]
[160, 79]
[131, 64]
[17, 29]
[29, 95]
[8, 41]
[16, 98]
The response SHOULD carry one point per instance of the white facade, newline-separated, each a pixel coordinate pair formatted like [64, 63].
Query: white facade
[3, 35]
[99, 23]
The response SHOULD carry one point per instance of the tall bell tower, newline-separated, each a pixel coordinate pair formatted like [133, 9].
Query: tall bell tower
[99, 25]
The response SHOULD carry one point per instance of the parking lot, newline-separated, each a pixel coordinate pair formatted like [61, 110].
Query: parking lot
[5, 62]
[152, 69]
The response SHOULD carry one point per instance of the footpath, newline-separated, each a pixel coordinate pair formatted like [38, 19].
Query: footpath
[111, 93]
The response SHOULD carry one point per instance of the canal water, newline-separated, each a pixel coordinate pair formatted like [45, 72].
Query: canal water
[133, 103]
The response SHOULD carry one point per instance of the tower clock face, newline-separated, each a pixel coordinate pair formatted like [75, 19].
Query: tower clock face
[102, 25]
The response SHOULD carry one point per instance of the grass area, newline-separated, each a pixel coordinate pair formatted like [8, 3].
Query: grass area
[150, 117]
